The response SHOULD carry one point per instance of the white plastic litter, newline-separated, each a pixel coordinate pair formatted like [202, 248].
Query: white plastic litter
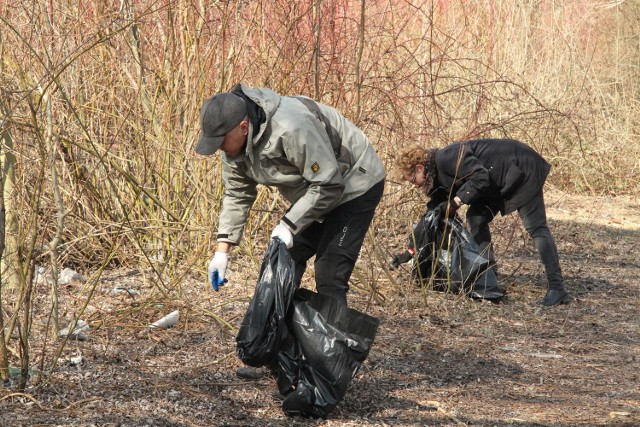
[168, 321]
[68, 275]
[77, 332]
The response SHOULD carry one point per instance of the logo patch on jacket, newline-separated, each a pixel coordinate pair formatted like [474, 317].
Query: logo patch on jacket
[315, 167]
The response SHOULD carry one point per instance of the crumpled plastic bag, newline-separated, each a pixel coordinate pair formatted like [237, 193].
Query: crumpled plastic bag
[264, 325]
[328, 344]
[314, 342]
[446, 251]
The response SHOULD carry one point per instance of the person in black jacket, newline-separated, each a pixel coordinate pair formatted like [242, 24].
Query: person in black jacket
[490, 176]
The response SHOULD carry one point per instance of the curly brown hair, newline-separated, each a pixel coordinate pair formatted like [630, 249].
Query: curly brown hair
[408, 158]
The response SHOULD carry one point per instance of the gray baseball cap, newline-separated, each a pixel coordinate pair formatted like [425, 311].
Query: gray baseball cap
[219, 115]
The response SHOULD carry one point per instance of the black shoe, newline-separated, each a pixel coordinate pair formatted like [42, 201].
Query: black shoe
[555, 297]
[249, 373]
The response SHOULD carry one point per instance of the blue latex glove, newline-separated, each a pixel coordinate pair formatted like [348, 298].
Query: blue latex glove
[217, 270]
[217, 281]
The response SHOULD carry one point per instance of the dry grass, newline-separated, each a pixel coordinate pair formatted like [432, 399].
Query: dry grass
[446, 361]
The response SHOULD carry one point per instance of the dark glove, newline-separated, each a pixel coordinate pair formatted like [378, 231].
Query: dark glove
[400, 259]
[450, 208]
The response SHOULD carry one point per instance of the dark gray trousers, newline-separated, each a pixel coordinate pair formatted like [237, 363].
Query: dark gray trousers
[336, 243]
[534, 219]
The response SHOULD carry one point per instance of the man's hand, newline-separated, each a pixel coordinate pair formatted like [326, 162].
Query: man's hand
[283, 233]
[217, 269]
[400, 259]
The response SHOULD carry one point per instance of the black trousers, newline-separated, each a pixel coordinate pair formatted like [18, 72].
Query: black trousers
[534, 219]
[336, 243]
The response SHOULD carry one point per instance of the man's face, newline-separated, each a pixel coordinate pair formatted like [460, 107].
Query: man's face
[234, 140]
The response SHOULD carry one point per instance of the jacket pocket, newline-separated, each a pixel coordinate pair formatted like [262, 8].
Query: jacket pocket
[512, 180]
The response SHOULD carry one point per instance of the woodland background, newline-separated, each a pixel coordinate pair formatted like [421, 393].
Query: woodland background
[99, 113]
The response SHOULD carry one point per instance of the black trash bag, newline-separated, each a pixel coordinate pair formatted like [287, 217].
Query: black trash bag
[328, 344]
[264, 326]
[445, 250]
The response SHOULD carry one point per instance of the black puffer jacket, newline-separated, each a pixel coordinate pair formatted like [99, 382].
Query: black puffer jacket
[504, 172]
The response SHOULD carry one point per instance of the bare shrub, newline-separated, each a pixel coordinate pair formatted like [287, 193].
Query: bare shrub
[102, 102]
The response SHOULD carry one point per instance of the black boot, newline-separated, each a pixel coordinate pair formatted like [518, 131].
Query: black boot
[250, 373]
[555, 297]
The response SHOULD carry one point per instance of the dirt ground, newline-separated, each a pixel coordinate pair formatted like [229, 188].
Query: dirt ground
[438, 359]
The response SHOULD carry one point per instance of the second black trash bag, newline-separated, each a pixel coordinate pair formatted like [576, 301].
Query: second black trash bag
[328, 345]
[264, 325]
[445, 250]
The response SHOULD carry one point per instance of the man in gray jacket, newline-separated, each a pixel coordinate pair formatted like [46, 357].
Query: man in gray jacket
[320, 162]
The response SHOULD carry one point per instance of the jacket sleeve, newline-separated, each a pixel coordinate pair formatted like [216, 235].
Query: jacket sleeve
[436, 197]
[239, 194]
[475, 186]
[470, 176]
[309, 149]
